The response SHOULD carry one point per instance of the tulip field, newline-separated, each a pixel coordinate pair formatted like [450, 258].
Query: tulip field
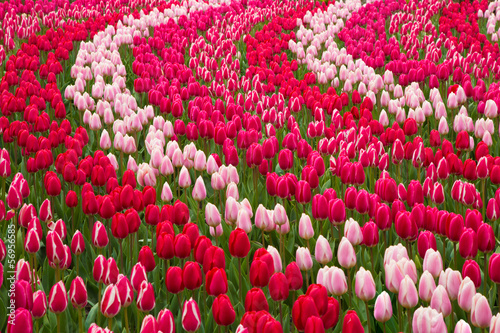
[249, 166]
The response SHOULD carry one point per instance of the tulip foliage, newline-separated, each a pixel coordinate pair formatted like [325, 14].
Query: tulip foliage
[249, 166]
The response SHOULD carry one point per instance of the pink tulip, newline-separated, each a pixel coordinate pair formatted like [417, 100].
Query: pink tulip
[463, 327]
[166, 193]
[335, 281]
[212, 215]
[408, 295]
[304, 259]
[393, 276]
[383, 308]
[184, 178]
[466, 293]
[364, 285]
[451, 281]
[427, 320]
[352, 231]
[306, 230]
[495, 324]
[426, 286]
[199, 190]
[441, 302]
[323, 252]
[480, 311]
[346, 254]
[433, 262]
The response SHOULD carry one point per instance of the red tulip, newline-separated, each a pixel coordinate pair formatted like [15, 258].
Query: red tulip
[239, 244]
[110, 302]
[303, 308]
[78, 293]
[146, 297]
[191, 275]
[255, 300]
[472, 270]
[191, 318]
[216, 282]
[222, 310]
[259, 273]
[146, 258]
[468, 244]
[173, 280]
[294, 276]
[352, 323]
[278, 287]
[58, 299]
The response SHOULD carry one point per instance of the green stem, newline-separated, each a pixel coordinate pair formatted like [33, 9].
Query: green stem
[80, 321]
[58, 316]
[110, 323]
[241, 285]
[126, 321]
[368, 316]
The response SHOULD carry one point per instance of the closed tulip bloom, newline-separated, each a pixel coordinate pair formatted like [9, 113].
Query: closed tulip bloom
[32, 241]
[58, 299]
[331, 317]
[426, 286]
[99, 235]
[314, 325]
[199, 190]
[426, 240]
[306, 230]
[480, 311]
[303, 308]
[173, 280]
[494, 268]
[22, 296]
[364, 285]
[125, 291]
[294, 276]
[259, 273]
[485, 238]
[216, 282]
[451, 280]
[346, 254]
[408, 295]
[320, 296]
[466, 294]
[468, 244]
[495, 324]
[336, 282]
[21, 322]
[78, 293]
[137, 276]
[428, 320]
[433, 262]
[279, 215]
[304, 260]
[255, 300]
[462, 327]
[337, 212]
[370, 234]
[353, 232]
[223, 311]
[165, 321]
[278, 265]
[212, 215]
[184, 178]
[278, 287]
[471, 269]
[239, 243]
[441, 302]
[323, 252]
[393, 276]
[146, 297]
[110, 303]
[191, 275]
[39, 304]
[352, 323]
[383, 308]
[191, 318]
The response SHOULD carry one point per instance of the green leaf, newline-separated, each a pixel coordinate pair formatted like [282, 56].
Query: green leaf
[91, 316]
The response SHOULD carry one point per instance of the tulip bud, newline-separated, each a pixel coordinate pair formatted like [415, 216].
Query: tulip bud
[125, 291]
[441, 302]
[223, 311]
[191, 318]
[146, 297]
[364, 285]
[110, 302]
[58, 299]
[322, 251]
[39, 304]
[346, 254]
[166, 322]
[21, 322]
[304, 259]
[466, 293]
[463, 327]
[480, 311]
[306, 230]
[426, 286]
[78, 293]
[383, 308]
